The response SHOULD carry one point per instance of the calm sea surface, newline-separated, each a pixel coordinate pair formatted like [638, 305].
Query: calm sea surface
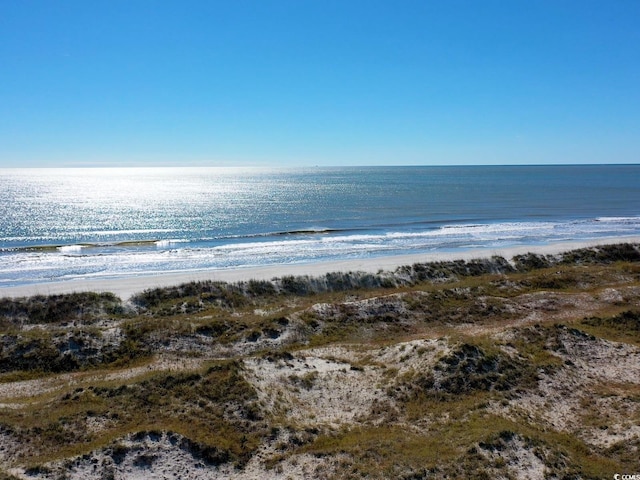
[58, 224]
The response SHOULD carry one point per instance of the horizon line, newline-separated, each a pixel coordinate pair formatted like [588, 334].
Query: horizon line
[320, 166]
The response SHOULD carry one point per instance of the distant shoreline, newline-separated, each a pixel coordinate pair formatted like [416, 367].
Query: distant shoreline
[126, 287]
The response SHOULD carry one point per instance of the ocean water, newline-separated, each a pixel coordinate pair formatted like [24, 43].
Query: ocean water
[58, 224]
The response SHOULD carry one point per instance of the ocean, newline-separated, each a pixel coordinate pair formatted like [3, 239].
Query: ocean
[58, 224]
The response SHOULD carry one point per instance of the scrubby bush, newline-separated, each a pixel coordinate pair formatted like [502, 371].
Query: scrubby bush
[84, 307]
[465, 370]
[452, 270]
[628, 321]
[209, 292]
[532, 261]
[260, 288]
[603, 254]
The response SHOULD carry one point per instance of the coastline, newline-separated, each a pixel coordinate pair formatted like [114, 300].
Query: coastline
[126, 287]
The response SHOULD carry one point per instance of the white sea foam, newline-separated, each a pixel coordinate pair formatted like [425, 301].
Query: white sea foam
[170, 242]
[619, 219]
[70, 248]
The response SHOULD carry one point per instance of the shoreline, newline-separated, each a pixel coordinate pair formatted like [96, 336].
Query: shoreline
[126, 287]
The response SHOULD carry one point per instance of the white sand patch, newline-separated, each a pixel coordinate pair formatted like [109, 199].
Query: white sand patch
[166, 456]
[23, 390]
[295, 466]
[9, 447]
[313, 390]
[335, 385]
[568, 400]
[519, 460]
[546, 306]
[557, 401]
[602, 359]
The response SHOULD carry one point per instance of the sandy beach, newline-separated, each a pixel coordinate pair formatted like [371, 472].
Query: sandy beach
[125, 287]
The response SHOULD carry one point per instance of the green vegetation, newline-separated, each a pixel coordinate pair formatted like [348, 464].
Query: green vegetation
[214, 409]
[83, 308]
[624, 327]
[467, 369]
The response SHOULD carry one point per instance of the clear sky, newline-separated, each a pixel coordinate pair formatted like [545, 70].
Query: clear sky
[318, 82]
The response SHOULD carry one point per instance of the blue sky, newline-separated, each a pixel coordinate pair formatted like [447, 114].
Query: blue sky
[318, 82]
